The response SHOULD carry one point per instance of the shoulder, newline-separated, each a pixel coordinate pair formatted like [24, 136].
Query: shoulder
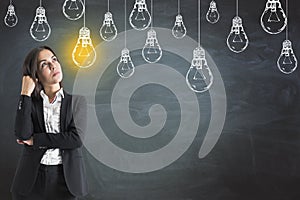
[78, 98]
[75, 99]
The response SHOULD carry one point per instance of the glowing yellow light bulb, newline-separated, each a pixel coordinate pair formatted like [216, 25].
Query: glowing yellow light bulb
[84, 54]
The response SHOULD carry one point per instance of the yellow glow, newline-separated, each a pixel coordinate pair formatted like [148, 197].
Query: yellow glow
[67, 46]
[84, 55]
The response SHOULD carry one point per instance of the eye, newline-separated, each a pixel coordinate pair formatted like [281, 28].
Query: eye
[54, 59]
[43, 64]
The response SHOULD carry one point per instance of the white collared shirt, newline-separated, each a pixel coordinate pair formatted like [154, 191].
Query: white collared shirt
[52, 124]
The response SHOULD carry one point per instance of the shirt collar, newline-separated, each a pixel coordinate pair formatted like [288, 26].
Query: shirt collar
[59, 94]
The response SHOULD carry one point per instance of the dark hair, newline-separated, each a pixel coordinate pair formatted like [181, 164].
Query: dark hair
[30, 68]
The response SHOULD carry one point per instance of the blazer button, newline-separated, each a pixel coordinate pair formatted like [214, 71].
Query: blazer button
[20, 105]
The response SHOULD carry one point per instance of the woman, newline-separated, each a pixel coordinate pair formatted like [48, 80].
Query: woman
[50, 124]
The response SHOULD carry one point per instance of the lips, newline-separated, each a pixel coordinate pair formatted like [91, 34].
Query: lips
[56, 73]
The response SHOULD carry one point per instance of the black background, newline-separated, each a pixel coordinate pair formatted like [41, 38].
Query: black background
[257, 156]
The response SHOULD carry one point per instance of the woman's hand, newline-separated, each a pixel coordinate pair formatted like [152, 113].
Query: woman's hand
[28, 85]
[28, 142]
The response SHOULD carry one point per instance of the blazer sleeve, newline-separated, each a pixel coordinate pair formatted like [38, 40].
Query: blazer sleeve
[23, 121]
[73, 136]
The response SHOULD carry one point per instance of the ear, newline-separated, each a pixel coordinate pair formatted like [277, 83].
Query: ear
[37, 77]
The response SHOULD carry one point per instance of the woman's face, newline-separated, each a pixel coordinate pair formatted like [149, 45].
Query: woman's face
[49, 69]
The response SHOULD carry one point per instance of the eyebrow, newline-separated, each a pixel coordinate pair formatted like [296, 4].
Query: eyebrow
[39, 62]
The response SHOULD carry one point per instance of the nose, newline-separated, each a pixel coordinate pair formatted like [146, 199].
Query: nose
[52, 66]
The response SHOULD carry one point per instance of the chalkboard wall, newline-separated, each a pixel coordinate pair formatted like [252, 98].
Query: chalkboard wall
[257, 155]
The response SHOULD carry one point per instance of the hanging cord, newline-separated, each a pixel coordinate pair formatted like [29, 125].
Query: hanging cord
[125, 23]
[40, 3]
[152, 14]
[178, 9]
[107, 5]
[199, 17]
[84, 13]
[10, 2]
[287, 25]
[237, 7]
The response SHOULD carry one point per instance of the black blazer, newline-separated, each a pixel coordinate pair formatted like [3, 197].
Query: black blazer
[30, 122]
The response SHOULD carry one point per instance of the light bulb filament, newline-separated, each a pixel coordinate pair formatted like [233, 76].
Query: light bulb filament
[273, 17]
[179, 28]
[10, 19]
[108, 29]
[140, 16]
[40, 27]
[199, 75]
[125, 66]
[213, 14]
[73, 5]
[152, 50]
[237, 38]
[84, 52]
[287, 59]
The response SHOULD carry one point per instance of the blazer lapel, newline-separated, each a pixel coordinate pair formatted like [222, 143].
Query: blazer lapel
[64, 111]
[40, 114]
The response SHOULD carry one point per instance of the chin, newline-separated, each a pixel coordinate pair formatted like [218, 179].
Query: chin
[58, 79]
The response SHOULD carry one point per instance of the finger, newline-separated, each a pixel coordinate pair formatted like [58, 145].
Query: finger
[20, 141]
[26, 77]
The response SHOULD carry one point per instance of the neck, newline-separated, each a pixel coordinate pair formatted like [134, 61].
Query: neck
[50, 91]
